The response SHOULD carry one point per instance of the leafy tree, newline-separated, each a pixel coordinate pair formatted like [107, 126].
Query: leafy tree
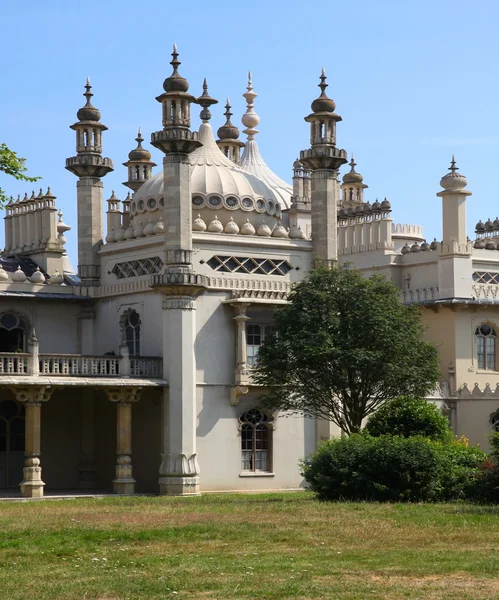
[342, 346]
[12, 164]
[408, 417]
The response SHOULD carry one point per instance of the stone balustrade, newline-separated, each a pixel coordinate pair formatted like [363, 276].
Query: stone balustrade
[414, 295]
[77, 365]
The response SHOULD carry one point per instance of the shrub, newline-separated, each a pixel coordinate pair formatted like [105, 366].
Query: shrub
[488, 481]
[406, 416]
[459, 470]
[385, 468]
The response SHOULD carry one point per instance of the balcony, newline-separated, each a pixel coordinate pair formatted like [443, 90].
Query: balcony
[76, 365]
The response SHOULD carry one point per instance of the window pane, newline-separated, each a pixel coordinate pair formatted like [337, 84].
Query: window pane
[490, 345]
[480, 350]
[261, 461]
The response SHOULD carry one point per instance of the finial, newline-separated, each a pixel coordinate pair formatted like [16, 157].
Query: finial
[139, 139]
[353, 164]
[453, 167]
[175, 63]
[88, 94]
[227, 112]
[323, 85]
[250, 119]
[205, 100]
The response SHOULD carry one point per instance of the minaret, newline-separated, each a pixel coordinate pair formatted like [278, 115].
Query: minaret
[179, 470]
[139, 165]
[454, 261]
[353, 187]
[228, 135]
[89, 166]
[324, 159]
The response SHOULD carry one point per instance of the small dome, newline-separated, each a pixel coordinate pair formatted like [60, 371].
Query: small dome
[385, 205]
[232, 227]
[350, 211]
[138, 231]
[368, 209]
[425, 247]
[453, 181]
[4, 276]
[488, 225]
[149, 229]
[297, 165]
[228, 131]
[342, 213]
[279, 231]
[110, 237]
[495, 223]
[376, 206]
[359, 210]
[119, 234]
[19, 276]
[406, 249]
[175, 83]
[323, 103]
[159, 227]
[296, 233]
[434, 244]
[479, 244]
[215, 226]
[198, 224]
[264, 230]
[56, 278]
[37, 277]
[247, 228]
[490, 245]
[129, 233]
[479, 226]
[352, 176]
[139, 153]
[415, 247]
[88, 112]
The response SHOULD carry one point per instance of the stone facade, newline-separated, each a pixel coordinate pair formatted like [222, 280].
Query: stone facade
[135, 373]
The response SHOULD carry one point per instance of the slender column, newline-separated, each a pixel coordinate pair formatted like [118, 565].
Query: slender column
[324, 216]
[124, 483]
[241, 351]
[32, 398]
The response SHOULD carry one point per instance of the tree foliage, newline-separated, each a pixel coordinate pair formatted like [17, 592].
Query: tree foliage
[12, 164]
[342, 346]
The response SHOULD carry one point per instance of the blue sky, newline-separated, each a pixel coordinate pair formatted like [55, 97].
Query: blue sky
[413, 81]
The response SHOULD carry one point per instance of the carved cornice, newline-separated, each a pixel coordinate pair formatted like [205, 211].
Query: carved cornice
[179, 302]
[33, 395]
[123, 395]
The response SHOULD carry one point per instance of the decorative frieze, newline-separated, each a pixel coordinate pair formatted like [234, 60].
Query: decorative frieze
[179, 302]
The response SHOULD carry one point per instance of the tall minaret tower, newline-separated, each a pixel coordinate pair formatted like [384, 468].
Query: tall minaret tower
[90, 167]
[324, 159]
[179, 470]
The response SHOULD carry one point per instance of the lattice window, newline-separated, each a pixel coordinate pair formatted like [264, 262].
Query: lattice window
[486, 342]
[486, 277]
[135, 268]
[249, 265]
[256, 441]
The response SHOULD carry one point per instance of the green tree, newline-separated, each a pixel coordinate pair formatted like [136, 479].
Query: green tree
[342, 346]
[12, 164]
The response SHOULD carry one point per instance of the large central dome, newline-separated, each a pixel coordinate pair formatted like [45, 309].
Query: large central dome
[217, 186]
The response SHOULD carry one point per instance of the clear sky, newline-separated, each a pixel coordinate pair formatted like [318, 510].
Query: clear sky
[414, 81]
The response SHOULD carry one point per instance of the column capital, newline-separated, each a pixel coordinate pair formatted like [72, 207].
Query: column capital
[123, 395]
[240, 309]
[179, 473]
[33, 395]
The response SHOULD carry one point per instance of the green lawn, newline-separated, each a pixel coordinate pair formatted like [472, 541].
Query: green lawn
[246, 546]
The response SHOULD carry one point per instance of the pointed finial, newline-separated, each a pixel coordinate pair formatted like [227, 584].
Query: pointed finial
[453, 167]
[353, 164]
[323, 103]
[227, 112]
[250, 119]
[139, 139]
[205, 100]
[88, 94]
[323, 85]
[175, 83]
[175, 63]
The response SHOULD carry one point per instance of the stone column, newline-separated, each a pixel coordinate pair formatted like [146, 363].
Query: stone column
[241, 372]
[324, 216]
[32, 398]
[124, 483]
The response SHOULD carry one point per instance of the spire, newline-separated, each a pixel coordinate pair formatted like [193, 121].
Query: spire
[175, 83]
[139, 165]
[228, 130]
[453, 167]
[205, 101]
[250, 119]
[88, 112]
[323, 103]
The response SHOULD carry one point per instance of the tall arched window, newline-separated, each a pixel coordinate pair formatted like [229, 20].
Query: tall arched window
[486, 347]
[12, 333]
[494, 420]
[256, 441]
[132, 332]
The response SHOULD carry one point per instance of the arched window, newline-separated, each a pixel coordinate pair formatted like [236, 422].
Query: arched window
[256, 441]
[132, 332]
[486, 345]
[494, 420]
[11, 443]
[12, 333]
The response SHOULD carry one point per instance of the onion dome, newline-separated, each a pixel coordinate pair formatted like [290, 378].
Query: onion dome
[488, 225]
[350, 211]
[425, 247]
[19, 276]
[215, 226]
[264, 230]
[139, 153]
[279, 231]
[323, 103]
[490, 245]
[352, 176]
[88, 112]
[110, 237]
[406, 249]
[479, 244]
[434, 244]
[119, 234]
[247, 228]
[159, 227]
[198, 224]
[479, 226]
[175, 83]
[385, 205]
[495, 223]
[129, 233]
[376, 206]
[56, 278]
[342, 213]
[296, 233]
[232, 228]
[297, 165]
[368, 209]
[453, 181]
[4, 276]
[149, 228]
[415, 247]
[359, 210]
[37, 277]
[228, 131]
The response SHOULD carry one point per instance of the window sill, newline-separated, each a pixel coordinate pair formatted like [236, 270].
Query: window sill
[256, 474]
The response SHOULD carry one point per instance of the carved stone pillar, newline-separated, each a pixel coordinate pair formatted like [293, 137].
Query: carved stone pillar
[124, 483]
[241, 372]
[32, 398]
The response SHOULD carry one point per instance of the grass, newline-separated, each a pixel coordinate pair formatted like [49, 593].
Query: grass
[246, 546]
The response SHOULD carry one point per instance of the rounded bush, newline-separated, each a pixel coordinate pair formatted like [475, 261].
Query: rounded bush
[385, 468]
[407, 417]
[460, 469]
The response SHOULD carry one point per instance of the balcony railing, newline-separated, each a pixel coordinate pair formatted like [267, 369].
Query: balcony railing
[77, 365]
